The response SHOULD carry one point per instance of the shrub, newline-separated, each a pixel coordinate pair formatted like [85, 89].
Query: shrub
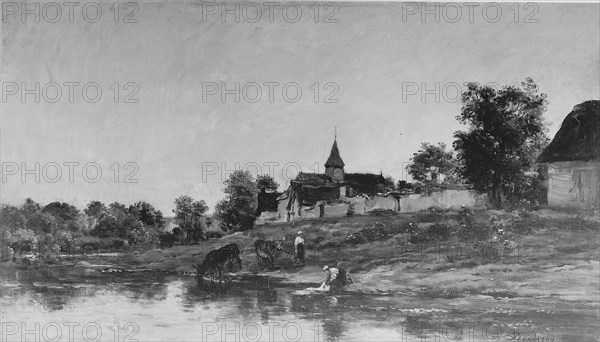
[436, 232]
[470, 229]
[167, 239]
[525, 221]
[378, 231]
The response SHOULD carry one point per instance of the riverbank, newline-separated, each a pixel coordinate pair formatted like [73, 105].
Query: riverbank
[558, 256]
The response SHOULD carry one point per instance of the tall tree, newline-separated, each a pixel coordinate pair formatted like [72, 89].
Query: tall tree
[190, 218]
[431, 163]
[237, 210]
[506, 132]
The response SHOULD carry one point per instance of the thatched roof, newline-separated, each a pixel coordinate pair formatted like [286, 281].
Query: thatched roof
[334, 157]
[313, 179]
[578, 138]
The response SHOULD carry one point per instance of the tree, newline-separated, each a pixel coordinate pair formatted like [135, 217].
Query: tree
[506, 132]
[95, 209]
[431, 162]
[117, 222]
[190, 218]
[266, 182]
[43, 222]
[11, 218]
[147, 214]
[403, 186]
[237, 210]
[67, 216]
[389, 184]
[30, 206]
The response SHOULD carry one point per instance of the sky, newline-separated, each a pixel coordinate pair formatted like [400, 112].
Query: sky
[167, 122]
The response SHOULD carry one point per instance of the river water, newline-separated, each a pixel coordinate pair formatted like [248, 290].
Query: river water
[107, 304]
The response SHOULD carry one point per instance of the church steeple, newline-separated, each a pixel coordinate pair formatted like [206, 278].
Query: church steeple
[334, 160]
[334, 166]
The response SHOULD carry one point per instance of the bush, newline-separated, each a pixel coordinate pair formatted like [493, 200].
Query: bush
[470, 229]
[525, 221]
[378, 231]
[90, 244]
[167, 239]
[436, 232]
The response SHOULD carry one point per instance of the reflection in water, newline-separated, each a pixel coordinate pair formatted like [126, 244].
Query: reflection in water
[332, 328]
[167, 308]
[266, 300]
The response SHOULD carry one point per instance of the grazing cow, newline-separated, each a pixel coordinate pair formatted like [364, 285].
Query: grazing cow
[215, 260]
[268, 250]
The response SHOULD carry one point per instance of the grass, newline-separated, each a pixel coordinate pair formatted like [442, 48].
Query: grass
[532, 253]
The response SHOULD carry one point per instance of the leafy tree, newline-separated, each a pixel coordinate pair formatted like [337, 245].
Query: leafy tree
[118, 222]
[43, 222]
[30, 206]
[189, 215]
[67, 216]
[506, 132]
[117, 207]
[431, 162]
[147, 214]
[12, 218]
[403, 185]
[389, 184]
[23, 240]
[237, 210]
[266, 182]
[95, 209]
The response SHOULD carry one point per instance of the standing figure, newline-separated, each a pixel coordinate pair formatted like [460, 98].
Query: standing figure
[299, 246]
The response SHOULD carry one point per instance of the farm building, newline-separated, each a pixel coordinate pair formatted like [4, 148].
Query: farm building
[337, 193]
[319, 195]
[573, 159]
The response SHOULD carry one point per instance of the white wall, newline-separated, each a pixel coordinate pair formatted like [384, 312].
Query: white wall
[445, 199]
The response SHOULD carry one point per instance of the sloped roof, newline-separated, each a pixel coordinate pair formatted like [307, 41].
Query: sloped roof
[313, 178]
[578, 138]
[366, 183]
[334, 157]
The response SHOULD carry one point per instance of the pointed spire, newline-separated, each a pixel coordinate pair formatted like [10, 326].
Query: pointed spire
[334, 159]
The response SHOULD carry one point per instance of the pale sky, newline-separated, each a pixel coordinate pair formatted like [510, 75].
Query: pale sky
[374, 54]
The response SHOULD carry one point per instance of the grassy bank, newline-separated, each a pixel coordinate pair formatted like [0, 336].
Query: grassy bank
[428, 254]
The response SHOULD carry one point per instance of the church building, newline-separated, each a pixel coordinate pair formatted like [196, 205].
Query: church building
[311, 190]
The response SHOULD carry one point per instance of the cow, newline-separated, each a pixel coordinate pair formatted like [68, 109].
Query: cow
[215, 260]
[266, 251]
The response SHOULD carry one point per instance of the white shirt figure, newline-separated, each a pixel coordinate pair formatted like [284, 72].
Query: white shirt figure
[299, 240]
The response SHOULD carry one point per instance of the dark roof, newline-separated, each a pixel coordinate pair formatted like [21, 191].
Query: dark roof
[334, 157]
[364, 178]
[578, 138]
[313, 178]
[365, 183]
